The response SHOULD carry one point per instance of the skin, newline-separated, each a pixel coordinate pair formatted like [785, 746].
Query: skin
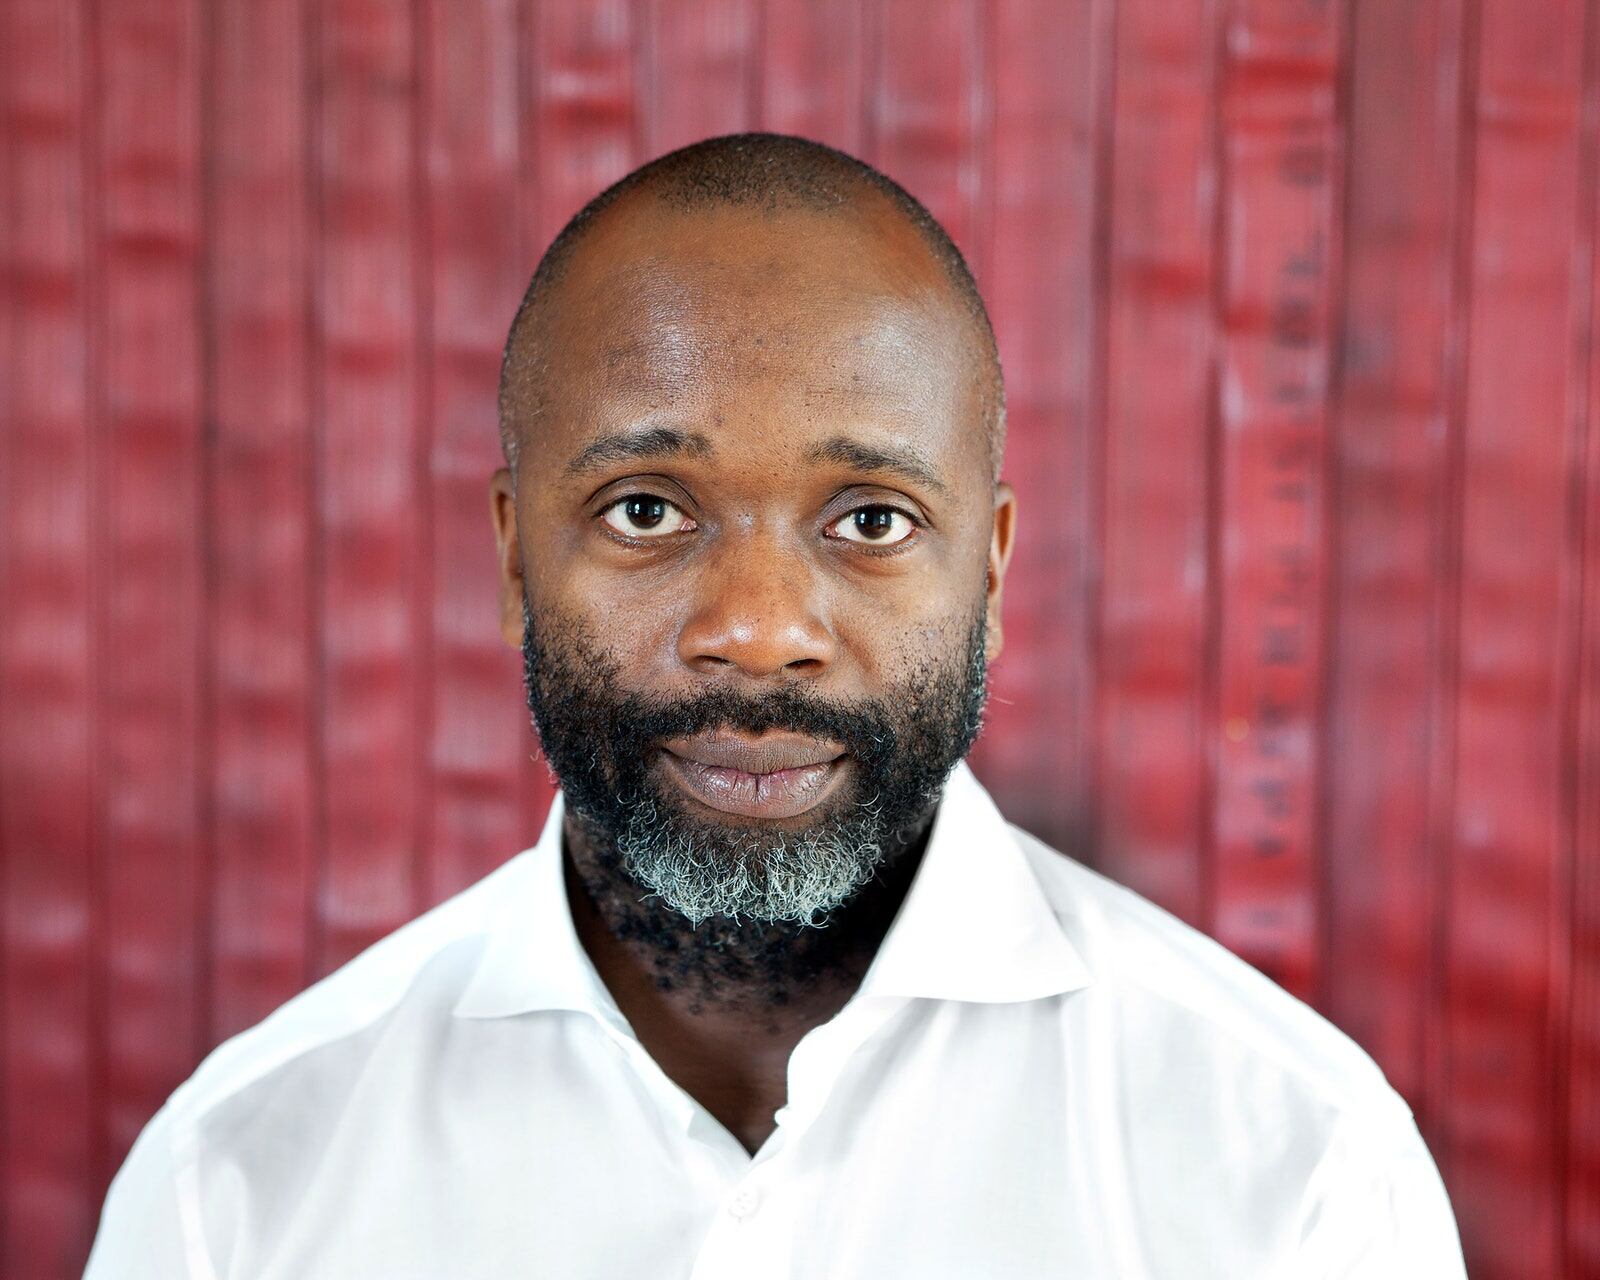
[760, 337]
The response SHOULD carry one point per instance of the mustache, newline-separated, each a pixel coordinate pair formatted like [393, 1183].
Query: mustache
[863, 728]
[578, 691]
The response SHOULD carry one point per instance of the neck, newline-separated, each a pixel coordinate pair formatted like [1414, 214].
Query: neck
[721, 1007]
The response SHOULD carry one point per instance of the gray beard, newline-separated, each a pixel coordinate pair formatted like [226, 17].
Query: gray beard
[768, 877]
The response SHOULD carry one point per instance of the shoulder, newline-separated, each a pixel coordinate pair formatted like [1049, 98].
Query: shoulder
[310, 1048]
[1182, 986]
[428, 958]
[1225, 1081]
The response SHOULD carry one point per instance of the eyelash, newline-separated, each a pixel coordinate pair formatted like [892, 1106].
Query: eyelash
[892, 548]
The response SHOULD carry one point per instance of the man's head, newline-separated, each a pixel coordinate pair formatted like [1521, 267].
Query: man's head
[769, 172]
[751, 534]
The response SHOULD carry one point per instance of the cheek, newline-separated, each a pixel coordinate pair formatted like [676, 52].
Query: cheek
[903, 652]
[632, 622]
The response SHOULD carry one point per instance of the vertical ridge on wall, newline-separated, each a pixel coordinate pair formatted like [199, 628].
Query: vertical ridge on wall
[1043, 293]
[1283, 152]
[367, 500]
[1390, 465]
[149, 595]
[471, 161]
[929, 104]
[262, 779]
[812, 82]
[703, 74]
[582, 112]
[1097, 408]
[1520, 384]
[49, 1090]
[1581, 1121]
[1570, 935]
[1445, 718]
[1154, 583]
[1208, 690]
[423, 666]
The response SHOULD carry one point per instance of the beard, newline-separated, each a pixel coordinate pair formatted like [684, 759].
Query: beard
[744, 877]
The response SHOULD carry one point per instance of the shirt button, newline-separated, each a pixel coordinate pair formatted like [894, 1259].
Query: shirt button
[743, 1202]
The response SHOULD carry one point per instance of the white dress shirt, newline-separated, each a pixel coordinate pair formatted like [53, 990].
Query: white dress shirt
[1042, 1074]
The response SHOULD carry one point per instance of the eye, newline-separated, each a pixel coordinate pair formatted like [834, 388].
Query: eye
[875, 526]
[643, 515]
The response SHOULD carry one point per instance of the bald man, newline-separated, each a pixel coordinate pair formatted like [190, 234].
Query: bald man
[778, 992]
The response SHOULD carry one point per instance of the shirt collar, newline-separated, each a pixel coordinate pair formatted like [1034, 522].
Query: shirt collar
[534, 959]
[975, 926]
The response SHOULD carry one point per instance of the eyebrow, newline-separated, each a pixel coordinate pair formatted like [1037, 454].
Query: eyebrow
[668, 442]
[656, 442]
[908, 464]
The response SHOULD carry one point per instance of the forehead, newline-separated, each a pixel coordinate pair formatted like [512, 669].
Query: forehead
[736, 313]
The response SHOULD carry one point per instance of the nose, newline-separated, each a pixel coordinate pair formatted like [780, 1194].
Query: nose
[756, 610]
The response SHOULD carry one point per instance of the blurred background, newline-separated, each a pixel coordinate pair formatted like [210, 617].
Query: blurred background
[1296, 300]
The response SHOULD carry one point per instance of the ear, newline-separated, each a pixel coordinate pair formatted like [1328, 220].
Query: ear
[1001, 541]
[508, 552]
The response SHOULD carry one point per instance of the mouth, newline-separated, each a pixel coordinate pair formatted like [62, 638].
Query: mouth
[772, 777]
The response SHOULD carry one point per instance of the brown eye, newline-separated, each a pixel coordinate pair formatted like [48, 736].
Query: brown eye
[643, 515]
[874, 526]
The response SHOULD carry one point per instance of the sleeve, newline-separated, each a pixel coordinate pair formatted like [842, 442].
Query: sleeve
[1376, 1208]
[146, 1225]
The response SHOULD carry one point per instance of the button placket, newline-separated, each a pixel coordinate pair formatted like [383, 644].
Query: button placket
[743, 1202]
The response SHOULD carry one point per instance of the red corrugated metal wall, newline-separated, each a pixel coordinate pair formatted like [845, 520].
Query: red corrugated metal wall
[1296, 300]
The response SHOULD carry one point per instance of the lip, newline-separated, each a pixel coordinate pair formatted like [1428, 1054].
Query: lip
[771, 777]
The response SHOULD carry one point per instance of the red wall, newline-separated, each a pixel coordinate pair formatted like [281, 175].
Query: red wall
[1296, 301]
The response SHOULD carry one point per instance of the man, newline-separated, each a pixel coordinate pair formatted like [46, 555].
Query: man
[778, 993]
